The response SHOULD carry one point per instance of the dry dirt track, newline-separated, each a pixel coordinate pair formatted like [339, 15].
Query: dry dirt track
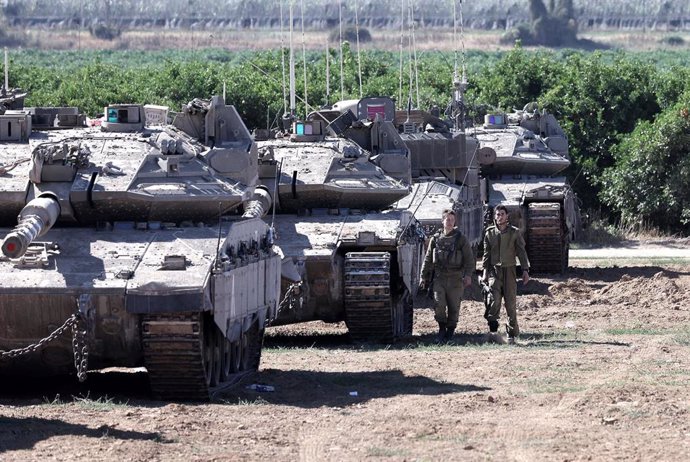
[602, 372]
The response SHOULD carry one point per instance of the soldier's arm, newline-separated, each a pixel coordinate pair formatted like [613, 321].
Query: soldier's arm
[469, 262]
[521, 252]
[428, 265]
[486, 257]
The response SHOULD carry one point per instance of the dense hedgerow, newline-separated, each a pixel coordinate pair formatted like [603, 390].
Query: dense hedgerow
[620, 110]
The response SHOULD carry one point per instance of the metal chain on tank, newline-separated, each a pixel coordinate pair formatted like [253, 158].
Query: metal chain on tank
[70, 322]
[80, 347]
[289, 302]
[79, 344]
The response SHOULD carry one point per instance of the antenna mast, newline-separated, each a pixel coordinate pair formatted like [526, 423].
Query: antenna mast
[282, 57]
[402, 46]
[328, 73]
[359, 58]
[292, 71]
[304, 59]
[459, 84]
[414, 77]
[342, 77]
[6, 88]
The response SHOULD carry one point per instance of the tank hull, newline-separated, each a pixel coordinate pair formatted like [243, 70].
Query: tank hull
[123, 282]
[547, 213]
[353, 268]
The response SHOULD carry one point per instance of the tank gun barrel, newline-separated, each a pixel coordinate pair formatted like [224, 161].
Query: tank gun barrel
[259, 205]
[35, 219]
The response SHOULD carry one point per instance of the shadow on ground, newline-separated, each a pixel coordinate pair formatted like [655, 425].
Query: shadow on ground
[18, 433]
[312, 389]
[107, 387]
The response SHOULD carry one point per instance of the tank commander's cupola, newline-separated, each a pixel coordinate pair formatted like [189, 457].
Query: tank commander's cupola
[123, 118]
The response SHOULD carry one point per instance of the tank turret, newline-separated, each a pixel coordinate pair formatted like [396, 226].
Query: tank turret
[130, 226]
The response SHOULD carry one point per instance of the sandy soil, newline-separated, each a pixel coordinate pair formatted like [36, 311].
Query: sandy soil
[601, 372]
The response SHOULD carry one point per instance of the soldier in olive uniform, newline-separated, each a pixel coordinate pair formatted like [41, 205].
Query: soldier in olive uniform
[502, 243]
[450, 261]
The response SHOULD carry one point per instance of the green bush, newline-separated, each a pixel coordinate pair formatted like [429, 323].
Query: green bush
[650, 178]
[614, 107]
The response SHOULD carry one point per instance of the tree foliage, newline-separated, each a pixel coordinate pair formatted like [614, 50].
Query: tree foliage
[620, 111]
[649, 183]
[554, 26]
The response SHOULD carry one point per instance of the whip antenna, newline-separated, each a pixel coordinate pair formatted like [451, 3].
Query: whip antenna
[342, 79]
[402, 47]
[282, 57]
[359, 58]
[304, 59]
[292, 71]
[328, 73]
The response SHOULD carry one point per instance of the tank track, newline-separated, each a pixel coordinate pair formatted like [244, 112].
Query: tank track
[372, 311]
[173, 356]
[547, 241]
[188, 358]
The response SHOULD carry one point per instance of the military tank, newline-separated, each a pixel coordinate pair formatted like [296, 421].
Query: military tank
[349, 254]
[128, 232]
[522, 156]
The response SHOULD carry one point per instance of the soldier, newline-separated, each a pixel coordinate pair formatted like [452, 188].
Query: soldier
[502, 243]
[449, 262]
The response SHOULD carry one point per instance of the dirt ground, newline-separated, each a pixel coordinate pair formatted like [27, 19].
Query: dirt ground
[601, 372]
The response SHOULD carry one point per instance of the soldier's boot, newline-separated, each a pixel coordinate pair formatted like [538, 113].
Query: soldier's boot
[440, 338]
[449, 334]
[493, 336]
[511, 337]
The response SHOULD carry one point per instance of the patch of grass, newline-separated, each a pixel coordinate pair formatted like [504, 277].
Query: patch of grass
[246, 402]
[57, 401]
[596, 231]
[375, 451]
[455, 439]
[599, 232]
[682, 338]
[554, 385]
[103, 403]
[635, 331]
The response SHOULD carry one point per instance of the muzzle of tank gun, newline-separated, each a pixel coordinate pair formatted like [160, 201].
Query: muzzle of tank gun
[259, 205]
[35, 219]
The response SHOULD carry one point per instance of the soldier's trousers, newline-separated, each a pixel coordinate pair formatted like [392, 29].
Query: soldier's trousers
[504, 287]
[448, 292]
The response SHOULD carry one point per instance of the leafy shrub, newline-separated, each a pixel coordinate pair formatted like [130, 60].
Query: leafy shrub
[649, 181]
